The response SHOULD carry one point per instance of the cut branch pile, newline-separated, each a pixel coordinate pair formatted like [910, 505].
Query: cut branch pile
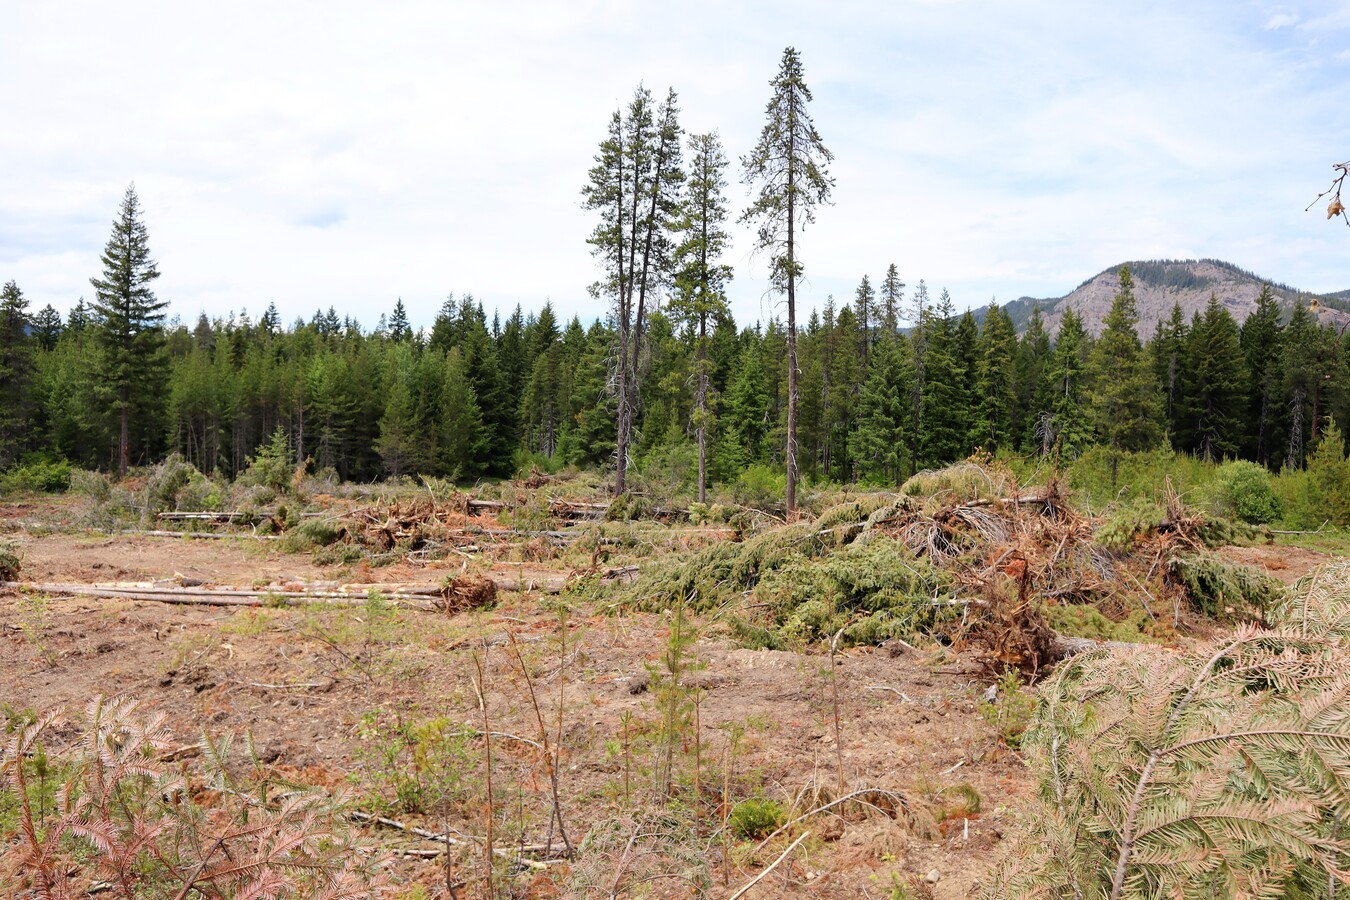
[968, 554]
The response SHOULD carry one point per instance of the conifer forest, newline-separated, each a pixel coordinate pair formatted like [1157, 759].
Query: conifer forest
[885, 595]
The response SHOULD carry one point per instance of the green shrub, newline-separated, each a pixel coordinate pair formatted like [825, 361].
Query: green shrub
[39, 476]
[9, 562]
[760, 487]
[272, 465]
[755, 817]
[1328, 497]
[1243, 490]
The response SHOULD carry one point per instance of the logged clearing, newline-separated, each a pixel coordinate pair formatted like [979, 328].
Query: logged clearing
[374, 657]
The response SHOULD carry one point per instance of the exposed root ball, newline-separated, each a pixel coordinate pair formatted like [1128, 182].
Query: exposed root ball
[467, 592]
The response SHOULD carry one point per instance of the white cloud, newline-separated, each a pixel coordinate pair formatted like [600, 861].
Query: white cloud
[348, 154]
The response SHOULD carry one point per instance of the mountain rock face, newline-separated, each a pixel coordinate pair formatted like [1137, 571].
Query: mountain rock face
[1158, 284]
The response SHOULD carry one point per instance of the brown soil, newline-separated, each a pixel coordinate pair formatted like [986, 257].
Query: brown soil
[303, 680]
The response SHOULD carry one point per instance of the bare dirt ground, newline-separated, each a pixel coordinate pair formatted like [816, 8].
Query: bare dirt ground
[310, 683]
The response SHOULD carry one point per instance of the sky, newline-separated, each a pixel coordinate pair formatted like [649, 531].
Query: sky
[349, 154]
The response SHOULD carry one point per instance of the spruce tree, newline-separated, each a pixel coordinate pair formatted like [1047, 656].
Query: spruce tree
[892, 297]
[1124, 395]
[130, 323]
[460, 437]
[700, 280]
[1213, 404]
[942, 435]
[634, 187]
[1033, 379]
[47, 327]
[1170, 365]
[1262, 338]
[399, 330]
[16, 364]
[864, 305]
[884, 414]
[1068, 428]
[788, 164]
[995, 387]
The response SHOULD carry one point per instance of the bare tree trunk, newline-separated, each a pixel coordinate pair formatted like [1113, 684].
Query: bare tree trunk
[701, 404]
[791, 499]
[124, 441]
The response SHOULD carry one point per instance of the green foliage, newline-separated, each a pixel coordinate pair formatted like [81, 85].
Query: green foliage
[1217, 771]
[1243, 491]
[10, 562]
[1085, 620]
[1010, 714]
[755, 817]
[418, 766]
[1223, 590]
[1327, 496]
[760, 487]
[39, 476]
[1127, 524]
[272, 465]
[310, 534]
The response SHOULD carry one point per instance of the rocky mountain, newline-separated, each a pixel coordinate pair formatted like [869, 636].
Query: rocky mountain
[1158, 284]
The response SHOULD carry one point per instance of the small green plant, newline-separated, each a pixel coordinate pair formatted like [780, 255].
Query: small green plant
[417, 766]
[755, 817]
[1011, 710]
[10, 563]
[272, 466]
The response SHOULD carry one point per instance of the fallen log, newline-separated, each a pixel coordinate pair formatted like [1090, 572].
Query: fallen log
[200, 535]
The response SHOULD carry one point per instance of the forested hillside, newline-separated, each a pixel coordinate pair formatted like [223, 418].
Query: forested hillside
[480, 393]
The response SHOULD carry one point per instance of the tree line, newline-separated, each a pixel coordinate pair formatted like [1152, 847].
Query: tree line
[476, 396]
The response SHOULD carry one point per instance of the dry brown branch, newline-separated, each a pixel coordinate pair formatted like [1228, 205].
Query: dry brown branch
[773, 865]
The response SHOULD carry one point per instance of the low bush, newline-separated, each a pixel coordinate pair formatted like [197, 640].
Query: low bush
[36, 477]
[755, 817]
[1243, 490]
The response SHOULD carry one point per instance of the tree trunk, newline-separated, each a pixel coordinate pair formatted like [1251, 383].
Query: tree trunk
[791, 498]
[701, 404]
[124, 441]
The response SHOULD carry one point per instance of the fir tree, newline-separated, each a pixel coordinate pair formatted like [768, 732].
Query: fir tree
[892, 298]
[634, 187]
[700, 281]
[399, 330]
[16, 363]
[1068, 427]
[1214, 401]
[1261, 339]
[1124, 395]
[942, 438]
[130, 319]
[864, 304]
[1168, 351]
[1033, 379]
[995, 387]
[788, 164]
[47, 328]
[461, 438]
[884, 414]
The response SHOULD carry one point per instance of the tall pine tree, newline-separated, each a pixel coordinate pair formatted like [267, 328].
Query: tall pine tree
[789, 165]
[130, 320]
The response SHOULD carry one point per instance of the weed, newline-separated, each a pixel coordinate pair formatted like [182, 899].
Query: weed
[1011, 710]
[10, 562]
[755, 817]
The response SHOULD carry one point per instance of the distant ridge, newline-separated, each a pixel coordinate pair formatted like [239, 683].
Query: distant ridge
[1160, 283]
